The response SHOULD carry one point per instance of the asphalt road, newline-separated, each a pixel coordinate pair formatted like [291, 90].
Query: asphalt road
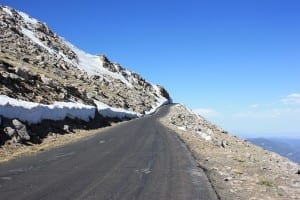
[140, 159]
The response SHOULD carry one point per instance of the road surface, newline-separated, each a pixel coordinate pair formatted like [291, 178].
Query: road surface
[140, 159]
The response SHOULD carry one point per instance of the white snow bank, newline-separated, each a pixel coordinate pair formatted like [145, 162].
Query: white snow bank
[107, 111]
[34, 112]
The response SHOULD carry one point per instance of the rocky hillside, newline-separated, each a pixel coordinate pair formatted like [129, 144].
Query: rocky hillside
[37, 65]
[236, 168]
[44, 77]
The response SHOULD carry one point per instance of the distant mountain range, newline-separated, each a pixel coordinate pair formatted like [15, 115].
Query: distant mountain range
[289, 148]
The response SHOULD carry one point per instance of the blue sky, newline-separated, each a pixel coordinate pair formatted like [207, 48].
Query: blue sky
[236, 62]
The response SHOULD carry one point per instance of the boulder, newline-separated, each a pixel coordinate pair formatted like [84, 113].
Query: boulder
[23, 72]
[21, 130]
[224, 143]
[10, 132]
[16, 139]
[48, 81]
[14, 76]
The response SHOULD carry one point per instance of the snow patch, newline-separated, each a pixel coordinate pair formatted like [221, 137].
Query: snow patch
[35, 112]
[120, 113]
[27, 18]
[7, 10]
[93, 65]
[204, 136]
[160, 101]
[32, 36]
[182, 128]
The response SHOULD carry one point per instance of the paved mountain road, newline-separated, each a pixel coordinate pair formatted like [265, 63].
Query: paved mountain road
[140, 159]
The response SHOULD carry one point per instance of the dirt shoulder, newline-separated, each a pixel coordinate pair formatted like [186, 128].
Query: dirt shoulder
[236, 168]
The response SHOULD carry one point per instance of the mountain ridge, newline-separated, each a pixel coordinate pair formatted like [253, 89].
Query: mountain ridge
[288, 148]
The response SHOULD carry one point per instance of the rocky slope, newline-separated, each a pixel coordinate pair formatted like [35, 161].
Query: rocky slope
[38, 69]
[236, 168]
[37, 65]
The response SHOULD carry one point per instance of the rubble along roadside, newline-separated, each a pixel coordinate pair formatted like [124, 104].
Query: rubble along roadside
[236, 168]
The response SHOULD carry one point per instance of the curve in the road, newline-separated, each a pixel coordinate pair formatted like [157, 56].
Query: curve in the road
[140, 159]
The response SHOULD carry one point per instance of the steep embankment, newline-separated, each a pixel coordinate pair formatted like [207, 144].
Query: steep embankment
[43, 77]
[236, 168]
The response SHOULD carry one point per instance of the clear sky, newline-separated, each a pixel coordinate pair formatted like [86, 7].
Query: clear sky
[236, 62]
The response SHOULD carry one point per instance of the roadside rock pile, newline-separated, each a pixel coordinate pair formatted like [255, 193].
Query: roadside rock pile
[236, 168]
[188, 121]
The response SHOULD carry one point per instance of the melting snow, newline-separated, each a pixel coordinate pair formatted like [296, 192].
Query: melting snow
[108, 111]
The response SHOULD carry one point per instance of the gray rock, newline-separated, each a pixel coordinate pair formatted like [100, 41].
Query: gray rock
[61, 95]
[16, 139]
[23, 72]
[10, 132]
[14, 76]
[228, 179]
[21, 130]
[224, 143]
[48, 81]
